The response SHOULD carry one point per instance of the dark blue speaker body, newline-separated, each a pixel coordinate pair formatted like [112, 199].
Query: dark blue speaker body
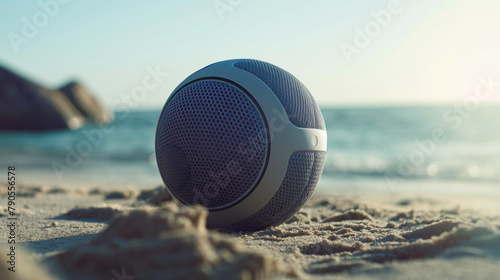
[243, 138]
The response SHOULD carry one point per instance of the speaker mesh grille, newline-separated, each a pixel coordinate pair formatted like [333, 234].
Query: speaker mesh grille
[211, 144]
[298, 102]
[303, 173]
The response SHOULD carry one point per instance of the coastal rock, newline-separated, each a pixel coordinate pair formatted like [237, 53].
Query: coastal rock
[28, 106]
[88, 106]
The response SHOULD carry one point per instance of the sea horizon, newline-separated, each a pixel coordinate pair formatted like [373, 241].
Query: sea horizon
[373, 147]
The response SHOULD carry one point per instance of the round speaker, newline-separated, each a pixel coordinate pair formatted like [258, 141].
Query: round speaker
[245, 139]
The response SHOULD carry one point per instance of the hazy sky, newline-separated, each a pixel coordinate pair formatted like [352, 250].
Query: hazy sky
[423, 52]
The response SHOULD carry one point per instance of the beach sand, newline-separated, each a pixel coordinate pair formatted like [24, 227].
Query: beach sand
[70, 233]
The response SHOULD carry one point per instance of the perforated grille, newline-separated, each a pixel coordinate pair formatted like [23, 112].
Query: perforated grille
[298, 102]
[210, 144]
[303, 173]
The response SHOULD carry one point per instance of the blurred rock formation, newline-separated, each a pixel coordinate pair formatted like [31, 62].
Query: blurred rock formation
[27, 106]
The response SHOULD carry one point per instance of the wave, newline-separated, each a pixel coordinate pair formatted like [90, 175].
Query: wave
[371, 166]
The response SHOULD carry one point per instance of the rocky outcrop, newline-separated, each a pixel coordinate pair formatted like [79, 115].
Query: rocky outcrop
[88, 106]
[27, 106]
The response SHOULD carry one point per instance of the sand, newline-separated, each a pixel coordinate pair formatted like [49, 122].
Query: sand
[131, 234]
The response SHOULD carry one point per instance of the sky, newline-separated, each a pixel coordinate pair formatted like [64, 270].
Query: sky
[347, 53]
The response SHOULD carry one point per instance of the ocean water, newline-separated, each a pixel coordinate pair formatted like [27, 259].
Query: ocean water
[386, 147]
